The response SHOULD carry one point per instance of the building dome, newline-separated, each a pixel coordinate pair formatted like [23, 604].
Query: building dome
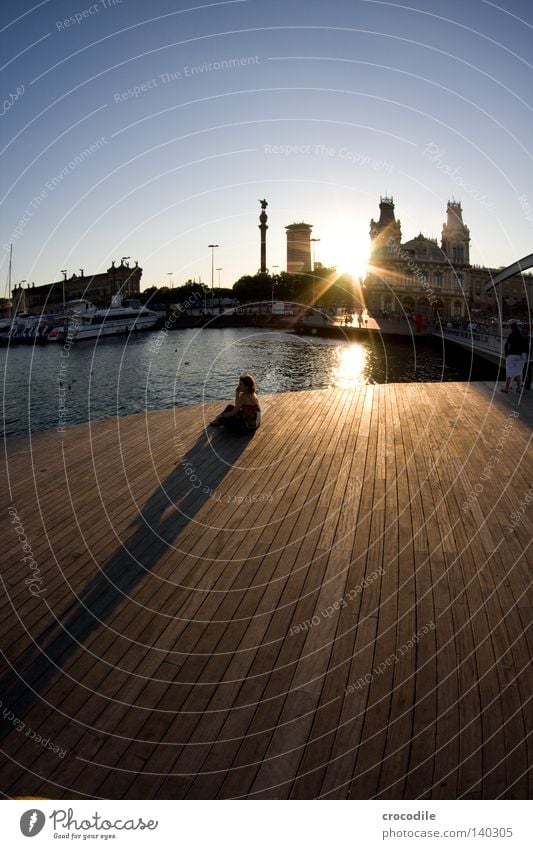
[423, 247]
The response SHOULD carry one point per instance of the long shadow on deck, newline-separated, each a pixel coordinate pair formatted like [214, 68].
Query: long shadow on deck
[211, 458]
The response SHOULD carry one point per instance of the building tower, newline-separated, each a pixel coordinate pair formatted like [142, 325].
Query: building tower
[455, 235]
[263, 226]
[299, 248]
[385, 234]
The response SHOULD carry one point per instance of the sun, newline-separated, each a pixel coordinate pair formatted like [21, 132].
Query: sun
[347, 251]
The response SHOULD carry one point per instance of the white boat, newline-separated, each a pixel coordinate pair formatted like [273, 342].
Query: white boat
[85, 321]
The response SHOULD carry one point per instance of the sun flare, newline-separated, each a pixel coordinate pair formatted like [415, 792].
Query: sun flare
[347, 251]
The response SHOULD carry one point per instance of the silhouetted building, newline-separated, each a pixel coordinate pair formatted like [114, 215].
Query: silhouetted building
[97, 288]
[421, 276]
[298, 248]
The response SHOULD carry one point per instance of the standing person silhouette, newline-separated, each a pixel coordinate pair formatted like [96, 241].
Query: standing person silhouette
[515, 346]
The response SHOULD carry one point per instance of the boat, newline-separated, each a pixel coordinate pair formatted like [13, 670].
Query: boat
[26, 329]
[85, 321]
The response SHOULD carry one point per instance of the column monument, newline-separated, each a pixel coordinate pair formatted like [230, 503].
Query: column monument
[263, 226]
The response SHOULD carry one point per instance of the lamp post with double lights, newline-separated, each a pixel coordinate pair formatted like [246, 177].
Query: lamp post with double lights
[313, 241]
[212, 247]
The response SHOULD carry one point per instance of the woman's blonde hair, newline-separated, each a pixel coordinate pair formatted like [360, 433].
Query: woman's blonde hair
[249, 382]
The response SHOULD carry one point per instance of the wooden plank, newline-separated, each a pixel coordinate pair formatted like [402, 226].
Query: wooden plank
[223, 663]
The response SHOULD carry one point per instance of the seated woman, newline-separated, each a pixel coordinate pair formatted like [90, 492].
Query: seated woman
[245, 415]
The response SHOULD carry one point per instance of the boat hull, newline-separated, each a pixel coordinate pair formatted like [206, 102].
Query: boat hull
[120, 327]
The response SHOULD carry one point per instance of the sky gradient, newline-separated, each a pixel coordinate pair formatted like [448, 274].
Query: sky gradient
[152, 130]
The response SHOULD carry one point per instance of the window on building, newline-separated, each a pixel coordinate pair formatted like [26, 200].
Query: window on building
[458, 253]
[438, 278]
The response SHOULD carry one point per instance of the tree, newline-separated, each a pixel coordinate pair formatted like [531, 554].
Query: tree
[256, 287]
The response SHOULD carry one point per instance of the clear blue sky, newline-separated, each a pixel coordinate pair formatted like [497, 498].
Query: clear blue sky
[328, 106]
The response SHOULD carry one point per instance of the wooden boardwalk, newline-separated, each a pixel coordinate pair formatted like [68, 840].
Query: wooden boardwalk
[337, 607]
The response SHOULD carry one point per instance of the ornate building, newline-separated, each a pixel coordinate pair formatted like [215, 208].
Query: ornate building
[98, 288]
[421, 276]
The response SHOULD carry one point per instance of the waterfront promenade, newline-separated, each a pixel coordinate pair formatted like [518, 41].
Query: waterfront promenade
[338, 607]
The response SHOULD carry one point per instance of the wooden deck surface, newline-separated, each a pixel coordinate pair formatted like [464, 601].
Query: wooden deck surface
[317, 611]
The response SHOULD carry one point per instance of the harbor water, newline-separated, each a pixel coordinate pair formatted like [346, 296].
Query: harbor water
[56, 385]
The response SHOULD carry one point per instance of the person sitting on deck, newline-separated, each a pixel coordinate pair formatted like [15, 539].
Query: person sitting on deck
[245, 415]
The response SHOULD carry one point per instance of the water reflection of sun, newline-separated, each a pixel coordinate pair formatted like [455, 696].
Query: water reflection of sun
[350, 368]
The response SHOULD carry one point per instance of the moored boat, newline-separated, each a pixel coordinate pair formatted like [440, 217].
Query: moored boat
[85, 321]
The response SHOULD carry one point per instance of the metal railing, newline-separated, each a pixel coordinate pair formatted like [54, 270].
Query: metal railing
[492, 341]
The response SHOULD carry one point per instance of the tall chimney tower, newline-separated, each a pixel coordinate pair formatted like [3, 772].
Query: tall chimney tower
[299, 248]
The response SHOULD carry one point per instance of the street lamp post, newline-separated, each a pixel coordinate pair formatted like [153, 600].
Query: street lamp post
[169, 274]
[20, 296]
[273, 284]
[313, 241]
[212, 269]
[64, 273]
[219, 305]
